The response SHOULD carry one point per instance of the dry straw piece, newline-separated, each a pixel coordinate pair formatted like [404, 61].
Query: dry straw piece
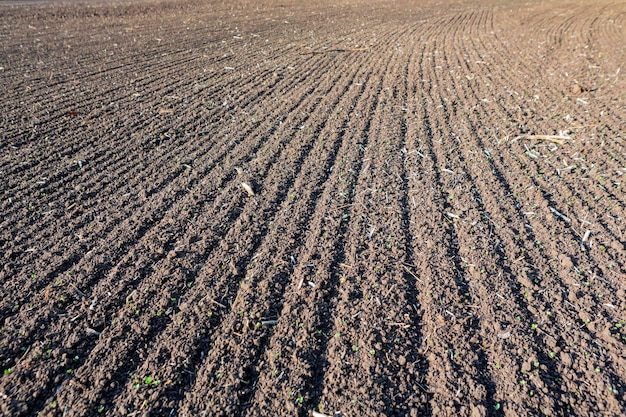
[316, 414]
[336, 50]
[248, 189]
[559, 139]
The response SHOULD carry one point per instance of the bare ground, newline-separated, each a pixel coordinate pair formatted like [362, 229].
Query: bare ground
[434, 226]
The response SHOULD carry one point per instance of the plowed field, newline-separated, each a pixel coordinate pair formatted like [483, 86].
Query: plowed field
[272, 208]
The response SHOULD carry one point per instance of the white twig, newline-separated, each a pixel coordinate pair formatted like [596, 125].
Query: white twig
[560, 139]
[586, 236]
[316, 414]
[248, 189]
[561, 215]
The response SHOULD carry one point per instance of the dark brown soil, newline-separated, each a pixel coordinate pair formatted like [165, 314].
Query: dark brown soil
[413, 243]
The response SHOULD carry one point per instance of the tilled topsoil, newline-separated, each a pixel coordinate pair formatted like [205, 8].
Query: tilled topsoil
[278, 208]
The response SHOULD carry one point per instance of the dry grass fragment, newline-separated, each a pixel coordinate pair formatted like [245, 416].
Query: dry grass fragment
[92, 332]
[558, 139]
[248, 189]
[330, 51]
[316, 414]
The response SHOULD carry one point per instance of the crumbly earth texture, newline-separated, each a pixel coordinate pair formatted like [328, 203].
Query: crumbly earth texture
[281, 208]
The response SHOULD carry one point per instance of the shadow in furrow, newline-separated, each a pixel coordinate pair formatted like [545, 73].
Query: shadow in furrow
[452, 253]
[410, 278]
[317, 358]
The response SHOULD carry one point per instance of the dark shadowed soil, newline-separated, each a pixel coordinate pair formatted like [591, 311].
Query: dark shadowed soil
[432, 221]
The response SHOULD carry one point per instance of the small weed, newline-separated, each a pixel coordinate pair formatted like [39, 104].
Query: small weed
[8, 371]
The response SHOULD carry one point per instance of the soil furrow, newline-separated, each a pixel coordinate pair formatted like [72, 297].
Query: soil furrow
[257, 132]
[125, 261]
[318, 268]
[541, 170]
[474, 223]
[226, 368]
[240, 320]
[260, 174]
[449, 282]
[529, 226]
[377, 302]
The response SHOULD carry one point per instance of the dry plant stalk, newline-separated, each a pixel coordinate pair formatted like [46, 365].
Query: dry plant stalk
[316, 414]
[559, 139]
[330, 51]
[247, 188]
